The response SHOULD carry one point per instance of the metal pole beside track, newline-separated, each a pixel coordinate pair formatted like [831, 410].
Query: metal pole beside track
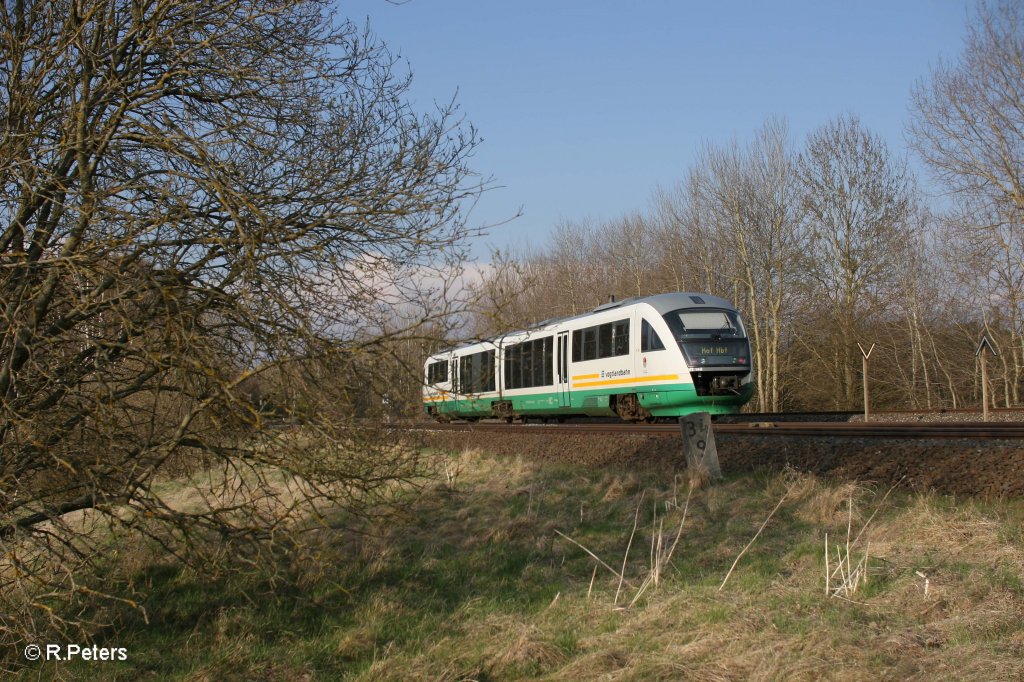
[984, 390]
[864, 366]
[980, 353]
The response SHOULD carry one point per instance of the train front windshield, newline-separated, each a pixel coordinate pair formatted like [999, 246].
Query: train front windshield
[709, 337]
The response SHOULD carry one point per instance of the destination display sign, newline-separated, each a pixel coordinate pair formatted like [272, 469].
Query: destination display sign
[716, 353]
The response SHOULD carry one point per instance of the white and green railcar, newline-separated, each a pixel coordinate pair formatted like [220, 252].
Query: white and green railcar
[641, 358]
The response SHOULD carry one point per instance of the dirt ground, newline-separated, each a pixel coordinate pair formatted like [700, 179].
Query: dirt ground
[985, 468]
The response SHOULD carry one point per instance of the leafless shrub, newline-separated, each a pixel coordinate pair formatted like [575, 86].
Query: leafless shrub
[221, 229]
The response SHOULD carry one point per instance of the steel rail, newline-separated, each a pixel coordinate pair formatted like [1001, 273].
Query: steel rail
[898, 430]
[844, 415]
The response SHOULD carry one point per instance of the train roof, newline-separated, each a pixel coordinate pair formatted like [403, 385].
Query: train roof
[666, 303]
[662, 303]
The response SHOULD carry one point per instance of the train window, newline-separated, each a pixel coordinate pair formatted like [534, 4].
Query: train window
[530, 364]
[548, 379]
[511, 375]
[613, 339]
[712, 320]
[536, 377]
[585, 344]
[649, 339]
[601, 341]
[704, 323]
[526, 371]
[604, 341]
[620, 337]
[590, 343]
[476, 372]
[437, 372]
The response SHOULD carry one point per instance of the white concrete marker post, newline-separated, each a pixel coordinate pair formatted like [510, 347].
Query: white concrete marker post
[699, 443]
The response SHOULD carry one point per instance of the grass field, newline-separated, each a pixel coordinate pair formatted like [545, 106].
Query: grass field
[486, 578]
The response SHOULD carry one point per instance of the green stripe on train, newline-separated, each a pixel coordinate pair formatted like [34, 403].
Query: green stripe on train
[667, 400]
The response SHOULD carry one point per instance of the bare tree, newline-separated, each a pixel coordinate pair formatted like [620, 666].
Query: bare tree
[987, 275]
[506, 297]
[778, 239]
[968, 120]
[192, 196]
[566, 278]
[740, 215]
[673, 263]
[690, 256]
[628, 254]
[722, 194]
[858, 201]
[968, 126]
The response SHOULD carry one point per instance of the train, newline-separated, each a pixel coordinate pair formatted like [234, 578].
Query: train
[638, 359]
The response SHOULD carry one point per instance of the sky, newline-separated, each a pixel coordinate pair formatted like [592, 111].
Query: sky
[586, 107]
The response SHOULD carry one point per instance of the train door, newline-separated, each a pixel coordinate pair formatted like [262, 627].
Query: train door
[562, 369]
[455, 381]
[638, 351]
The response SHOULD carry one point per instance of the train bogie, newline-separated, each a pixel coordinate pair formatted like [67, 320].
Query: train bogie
[640, 359]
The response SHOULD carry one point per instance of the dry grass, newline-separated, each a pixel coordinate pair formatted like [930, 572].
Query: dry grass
[824, 504]
[619, 486]
[698, 477]
[480, 582]
[778, 626]
[529, 649]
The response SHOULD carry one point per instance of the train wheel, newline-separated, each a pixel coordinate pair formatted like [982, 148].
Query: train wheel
[628, 407]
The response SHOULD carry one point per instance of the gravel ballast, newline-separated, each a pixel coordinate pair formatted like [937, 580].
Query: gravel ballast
[986, 468]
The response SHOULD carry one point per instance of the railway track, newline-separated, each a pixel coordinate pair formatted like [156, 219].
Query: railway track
[898, 430]
[950, 457]
[950, 414]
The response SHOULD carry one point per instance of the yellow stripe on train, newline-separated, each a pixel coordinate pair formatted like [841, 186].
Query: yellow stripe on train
[626, 380]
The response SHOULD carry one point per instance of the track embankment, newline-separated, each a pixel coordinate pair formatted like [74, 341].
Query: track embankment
[962, 466]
